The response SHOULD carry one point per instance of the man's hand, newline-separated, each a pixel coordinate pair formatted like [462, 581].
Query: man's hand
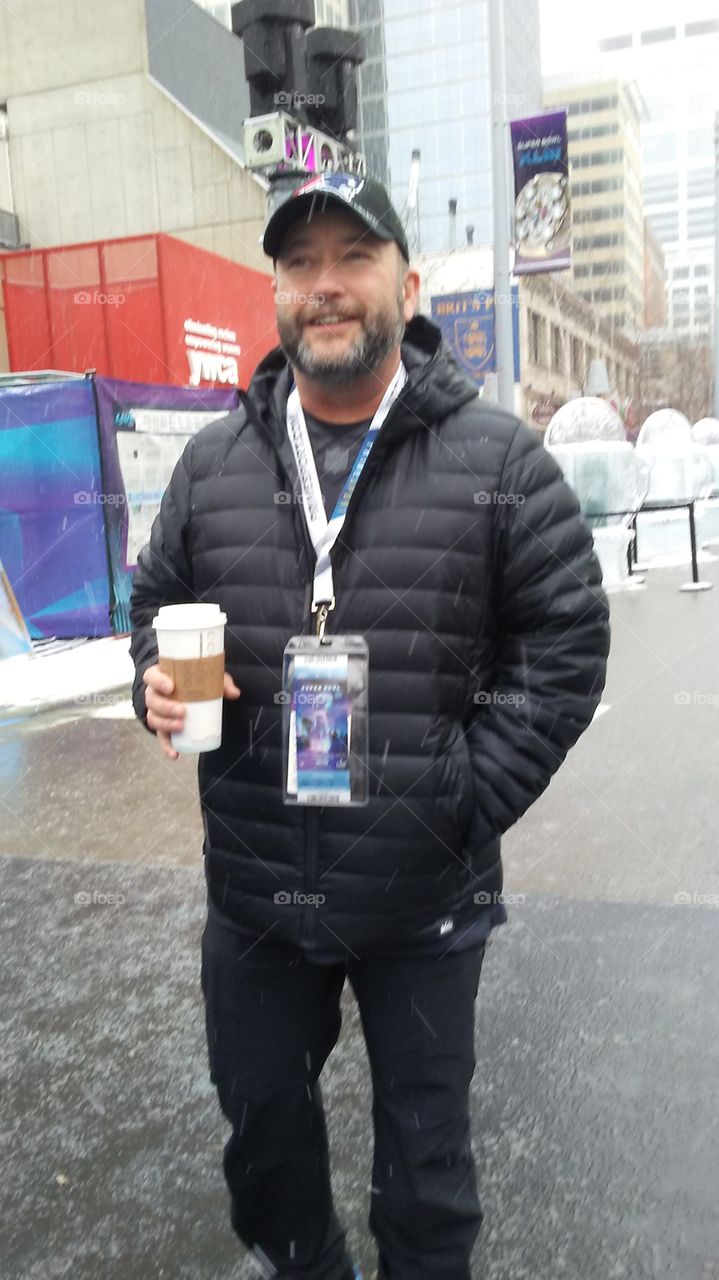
[163, 714]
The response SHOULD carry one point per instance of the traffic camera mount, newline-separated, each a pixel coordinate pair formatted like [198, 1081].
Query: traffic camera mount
[303, 90]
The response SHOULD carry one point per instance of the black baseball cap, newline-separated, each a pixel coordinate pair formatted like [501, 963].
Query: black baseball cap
[363, 196]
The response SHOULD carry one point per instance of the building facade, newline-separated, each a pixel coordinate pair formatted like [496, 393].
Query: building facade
[425, 86]
[560, 333]
[99, 150]
[655, 280]
[603, 134]
[674, 62]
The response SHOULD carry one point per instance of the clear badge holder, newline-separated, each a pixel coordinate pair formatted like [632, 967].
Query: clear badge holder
[325, 720]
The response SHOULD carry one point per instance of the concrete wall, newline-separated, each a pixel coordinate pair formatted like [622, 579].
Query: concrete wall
[97, 150]
[51, 44]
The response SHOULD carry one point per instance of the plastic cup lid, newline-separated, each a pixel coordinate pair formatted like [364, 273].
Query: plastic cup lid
[188, 617]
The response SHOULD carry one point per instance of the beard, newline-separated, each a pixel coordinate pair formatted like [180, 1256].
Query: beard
[380, 335]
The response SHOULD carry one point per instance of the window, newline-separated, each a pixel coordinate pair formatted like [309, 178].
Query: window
[700, 222]
[588, 105]
[599, 242]
[702, 28]
[372, 79]
[576, 351]
[665, 226]
[660, 148]
[615, 42]
[613, 268]
[592, 131]
[657, 34]
[596, 187]
[606, 295]
[660, 188]
[700, 142]
[600, 214]
[680, 273]
[589, 158]
[653, 361]
[557, 349]
[700, 182]
[536, 338]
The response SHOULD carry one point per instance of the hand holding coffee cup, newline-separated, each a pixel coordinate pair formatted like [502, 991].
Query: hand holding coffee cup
[164, 713]
[191, 662]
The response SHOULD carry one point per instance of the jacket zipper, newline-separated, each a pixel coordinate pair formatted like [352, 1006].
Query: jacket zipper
[309, 918]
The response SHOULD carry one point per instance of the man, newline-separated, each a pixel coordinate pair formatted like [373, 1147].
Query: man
[464, 563]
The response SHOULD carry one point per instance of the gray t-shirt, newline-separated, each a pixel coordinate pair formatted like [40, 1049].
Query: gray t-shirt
[335, 447]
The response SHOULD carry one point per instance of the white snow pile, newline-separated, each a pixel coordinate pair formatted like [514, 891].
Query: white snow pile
[82, 673]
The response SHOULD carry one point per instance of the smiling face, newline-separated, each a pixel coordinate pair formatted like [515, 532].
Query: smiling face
[343, 297]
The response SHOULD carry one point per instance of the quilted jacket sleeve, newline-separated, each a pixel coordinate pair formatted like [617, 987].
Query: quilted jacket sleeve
[553, 622]
[163, 574]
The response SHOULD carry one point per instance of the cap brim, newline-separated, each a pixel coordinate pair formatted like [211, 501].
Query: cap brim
[294, 208]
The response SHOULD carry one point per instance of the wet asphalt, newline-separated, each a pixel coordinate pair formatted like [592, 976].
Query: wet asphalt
[594, 1101]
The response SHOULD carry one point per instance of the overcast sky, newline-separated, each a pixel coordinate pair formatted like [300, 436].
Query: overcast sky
[570, 31]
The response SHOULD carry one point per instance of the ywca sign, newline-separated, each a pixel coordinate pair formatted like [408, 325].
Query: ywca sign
[208, 367]
[211, 354]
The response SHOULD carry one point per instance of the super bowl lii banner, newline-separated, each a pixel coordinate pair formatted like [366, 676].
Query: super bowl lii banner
[542, 211]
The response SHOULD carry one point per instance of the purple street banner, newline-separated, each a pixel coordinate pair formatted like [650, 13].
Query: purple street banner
[143, 431]
[542, 212]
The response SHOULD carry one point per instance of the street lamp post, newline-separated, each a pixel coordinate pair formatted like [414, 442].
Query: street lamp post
[504, 342]
[716, 265]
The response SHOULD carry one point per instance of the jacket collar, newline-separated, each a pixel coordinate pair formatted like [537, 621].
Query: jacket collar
[435, 385]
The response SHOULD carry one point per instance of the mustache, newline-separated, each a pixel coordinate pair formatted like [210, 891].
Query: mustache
[323, 314]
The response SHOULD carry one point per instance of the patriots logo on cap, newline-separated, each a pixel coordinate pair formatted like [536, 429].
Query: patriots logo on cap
[347, 186]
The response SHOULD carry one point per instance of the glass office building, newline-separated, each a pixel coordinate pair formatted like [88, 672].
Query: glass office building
[425, 85]
[675, 67]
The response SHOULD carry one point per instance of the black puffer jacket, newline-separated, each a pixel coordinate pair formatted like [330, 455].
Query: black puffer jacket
[466, 564]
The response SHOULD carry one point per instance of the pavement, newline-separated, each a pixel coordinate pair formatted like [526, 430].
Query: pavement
[597, 1033]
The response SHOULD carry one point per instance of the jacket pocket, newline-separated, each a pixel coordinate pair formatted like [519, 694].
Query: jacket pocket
[463, 787]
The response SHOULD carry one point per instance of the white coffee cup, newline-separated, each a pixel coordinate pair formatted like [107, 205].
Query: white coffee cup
[191, 649]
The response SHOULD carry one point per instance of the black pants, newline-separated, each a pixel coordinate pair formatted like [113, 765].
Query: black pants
[272, 1020]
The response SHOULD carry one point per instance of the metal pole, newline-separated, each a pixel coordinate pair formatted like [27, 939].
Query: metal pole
[693, 543]
[716, 265]
[695, 584]
[503, 338]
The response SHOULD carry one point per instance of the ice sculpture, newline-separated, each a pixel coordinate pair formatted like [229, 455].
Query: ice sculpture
[665, 426]
[584, 419]
[680, 472]
[586, 437]
[706, 433]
